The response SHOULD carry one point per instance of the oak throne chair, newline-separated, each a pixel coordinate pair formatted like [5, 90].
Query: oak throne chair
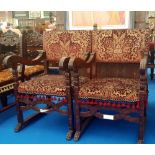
[53, 91]
[119, 80]
[10, 43]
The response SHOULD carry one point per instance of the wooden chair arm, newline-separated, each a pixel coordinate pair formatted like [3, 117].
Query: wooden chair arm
[77, 63]
[143, 81]
[63, 63]
[32, 54]
[13, 60]
[143, 63]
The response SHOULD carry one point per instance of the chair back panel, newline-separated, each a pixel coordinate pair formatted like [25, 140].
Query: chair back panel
[120, 46]
[32, 41]
[73, 43]
[126, 70]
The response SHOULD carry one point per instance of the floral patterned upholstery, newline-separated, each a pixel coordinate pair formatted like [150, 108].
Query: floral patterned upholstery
[53, 85]
[114, 89]
[29, 70]
[120, 46]
[46, 84]
[66, 43]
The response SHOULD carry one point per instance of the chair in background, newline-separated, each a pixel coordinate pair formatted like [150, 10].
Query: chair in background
[52, 91]
[151, 56]
[120, 81]
[10, 43]
[32, 45]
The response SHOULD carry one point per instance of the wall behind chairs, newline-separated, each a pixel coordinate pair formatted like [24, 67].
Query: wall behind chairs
[139, 19]
[61, 20]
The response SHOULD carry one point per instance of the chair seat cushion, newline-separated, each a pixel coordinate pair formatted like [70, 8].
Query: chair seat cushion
[111, 89]
[6, 80]
[33, 69]
[44, 85]
[6, 75]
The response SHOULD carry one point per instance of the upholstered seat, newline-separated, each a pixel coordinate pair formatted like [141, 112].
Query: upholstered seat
[111, 89]
[6, 75]
[30, 70]
[46, 84]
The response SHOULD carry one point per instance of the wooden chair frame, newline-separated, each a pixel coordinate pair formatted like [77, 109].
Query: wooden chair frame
[23, 104]
[82, 118]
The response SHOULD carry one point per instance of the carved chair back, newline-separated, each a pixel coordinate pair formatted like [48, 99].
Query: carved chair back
[10, 43]
[32, 42]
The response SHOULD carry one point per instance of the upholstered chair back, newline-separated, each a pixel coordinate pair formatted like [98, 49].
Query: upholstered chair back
[10, 43]
[118, 52]
[73, 43]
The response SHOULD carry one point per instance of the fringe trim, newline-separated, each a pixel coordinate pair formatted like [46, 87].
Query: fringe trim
[114, 104]
[43, 97]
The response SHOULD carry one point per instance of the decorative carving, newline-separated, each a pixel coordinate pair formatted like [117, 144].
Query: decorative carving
[10, 38]
[34, 39]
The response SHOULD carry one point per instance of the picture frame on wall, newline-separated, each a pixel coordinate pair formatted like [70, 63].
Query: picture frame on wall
[20, 14]
[85, 20]
[34, 14]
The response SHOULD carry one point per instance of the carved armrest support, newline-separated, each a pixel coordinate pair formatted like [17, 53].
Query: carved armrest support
[143, 93]
[77, 63]
[143, 65]
[63, 63]
[32, 54]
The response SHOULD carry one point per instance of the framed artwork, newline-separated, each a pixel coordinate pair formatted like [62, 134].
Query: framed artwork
[20, 14]
[34, 14]
[79, 20]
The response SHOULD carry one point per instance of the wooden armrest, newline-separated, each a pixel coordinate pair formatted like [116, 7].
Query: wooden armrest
[14, 60]
[143, 64]
[77, 63]
[63, 63]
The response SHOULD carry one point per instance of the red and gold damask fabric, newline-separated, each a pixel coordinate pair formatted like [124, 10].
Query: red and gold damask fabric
[66, 43]
[113, 89]
[53, 85]
[44, 85]
[120, 46]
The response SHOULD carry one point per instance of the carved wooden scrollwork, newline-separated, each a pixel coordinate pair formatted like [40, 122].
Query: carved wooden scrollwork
[9, 38]
[34, 38]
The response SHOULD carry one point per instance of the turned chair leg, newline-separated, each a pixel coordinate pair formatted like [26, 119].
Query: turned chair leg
[3, 99]
[141, 130]
[19, 118]
[152, 73]
[70, 120]
[78, 123]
